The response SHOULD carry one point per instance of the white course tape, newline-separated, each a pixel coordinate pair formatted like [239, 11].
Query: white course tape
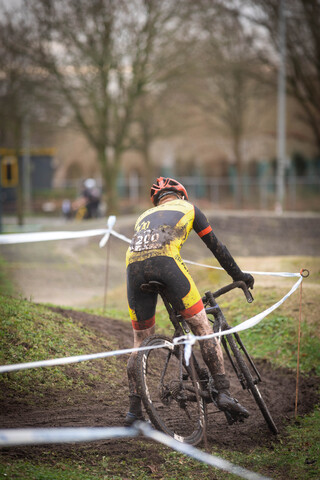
[121, 237]
[274, 274]
[188, 340]
[46, 236]
[251, 322]
[110, 225]
[37, 436]
[68, 360]
[203, 457]
[14, 238]
[30, 436]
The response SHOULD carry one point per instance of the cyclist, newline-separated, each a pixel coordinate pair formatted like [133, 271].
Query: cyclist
[154, 254]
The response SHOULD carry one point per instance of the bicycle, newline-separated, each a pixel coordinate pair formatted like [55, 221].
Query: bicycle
[175, 395]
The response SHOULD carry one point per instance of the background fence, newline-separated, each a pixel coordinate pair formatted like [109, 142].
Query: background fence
[301, 193]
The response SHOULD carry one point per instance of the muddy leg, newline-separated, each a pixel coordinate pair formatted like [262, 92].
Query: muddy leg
[210, 348]
[135, 411]
[213, 357]
[138, 337]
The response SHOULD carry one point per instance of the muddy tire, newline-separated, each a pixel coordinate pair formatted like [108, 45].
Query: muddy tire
[170, 401]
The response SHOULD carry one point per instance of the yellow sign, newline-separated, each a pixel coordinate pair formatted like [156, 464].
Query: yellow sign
[9, 171]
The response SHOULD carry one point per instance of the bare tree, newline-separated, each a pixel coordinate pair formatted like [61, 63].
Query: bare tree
[303, 51]
[22, 98]
[228, 85]
[100, 54]
[160, 112]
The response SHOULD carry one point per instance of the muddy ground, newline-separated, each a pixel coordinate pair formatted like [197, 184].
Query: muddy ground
[106, 407]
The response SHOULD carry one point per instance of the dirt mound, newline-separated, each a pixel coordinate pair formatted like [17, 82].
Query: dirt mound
[106, 406]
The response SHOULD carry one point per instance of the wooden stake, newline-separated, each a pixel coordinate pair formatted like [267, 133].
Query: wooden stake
[298, 354]
[106, 280]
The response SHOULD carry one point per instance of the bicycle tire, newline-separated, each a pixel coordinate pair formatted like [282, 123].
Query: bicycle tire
[250, 385]
[171, 403]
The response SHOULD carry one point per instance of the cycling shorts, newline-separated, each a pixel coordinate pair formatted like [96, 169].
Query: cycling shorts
[180, 288]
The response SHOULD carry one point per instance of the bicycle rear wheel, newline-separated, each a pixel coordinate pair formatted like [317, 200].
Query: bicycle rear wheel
[248, 382]
[169, 392]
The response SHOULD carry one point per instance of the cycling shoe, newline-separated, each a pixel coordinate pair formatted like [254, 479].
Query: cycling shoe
[232, 406]
[131, 418]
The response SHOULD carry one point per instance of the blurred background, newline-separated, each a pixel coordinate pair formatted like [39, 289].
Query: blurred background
[224, 95]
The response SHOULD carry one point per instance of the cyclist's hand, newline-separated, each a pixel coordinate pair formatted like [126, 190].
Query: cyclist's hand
[248, 279]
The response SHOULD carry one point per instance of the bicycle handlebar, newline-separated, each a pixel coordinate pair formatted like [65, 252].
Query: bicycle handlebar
[227, 288]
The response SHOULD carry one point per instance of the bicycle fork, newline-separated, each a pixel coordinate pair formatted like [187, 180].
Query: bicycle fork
[220, 324]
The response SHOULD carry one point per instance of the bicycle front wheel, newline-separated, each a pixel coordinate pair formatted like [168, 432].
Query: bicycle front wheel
[169, 393]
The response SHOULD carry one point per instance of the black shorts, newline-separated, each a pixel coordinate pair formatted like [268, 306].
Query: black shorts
[172, 272]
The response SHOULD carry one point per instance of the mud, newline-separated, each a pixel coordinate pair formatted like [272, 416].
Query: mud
[106, 406]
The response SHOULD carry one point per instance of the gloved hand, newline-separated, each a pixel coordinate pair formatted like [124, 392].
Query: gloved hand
[246, 278]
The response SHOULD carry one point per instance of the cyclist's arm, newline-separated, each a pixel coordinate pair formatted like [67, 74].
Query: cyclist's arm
[220, 251]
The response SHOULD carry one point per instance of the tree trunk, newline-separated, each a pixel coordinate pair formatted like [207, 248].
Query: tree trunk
[239, 169]
[111, 176]
[110, 170]
[149, 172]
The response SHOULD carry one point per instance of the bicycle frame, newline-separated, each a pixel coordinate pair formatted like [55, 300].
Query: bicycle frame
[219, 324]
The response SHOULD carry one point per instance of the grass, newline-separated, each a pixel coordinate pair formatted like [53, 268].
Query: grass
[276, 337]
[61, 471]
[30, 333]
[6, 285]
[294, 456]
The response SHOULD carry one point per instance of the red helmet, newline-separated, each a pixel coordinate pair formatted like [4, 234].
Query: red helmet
[166, 185]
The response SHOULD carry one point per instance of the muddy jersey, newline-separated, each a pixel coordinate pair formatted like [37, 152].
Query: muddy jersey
[154, 254]
[162, 230]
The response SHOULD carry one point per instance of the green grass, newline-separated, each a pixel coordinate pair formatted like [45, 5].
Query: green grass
[295, 455]
[275, 338]
[6, 285]
[40, 471]
[30, 333]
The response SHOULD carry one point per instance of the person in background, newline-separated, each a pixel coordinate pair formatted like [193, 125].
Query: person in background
[87, 205]
[91, 194]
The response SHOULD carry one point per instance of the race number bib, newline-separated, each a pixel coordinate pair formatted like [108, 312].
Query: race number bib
[145, 240]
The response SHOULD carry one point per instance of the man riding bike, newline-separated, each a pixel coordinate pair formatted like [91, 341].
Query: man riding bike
[154, 254]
